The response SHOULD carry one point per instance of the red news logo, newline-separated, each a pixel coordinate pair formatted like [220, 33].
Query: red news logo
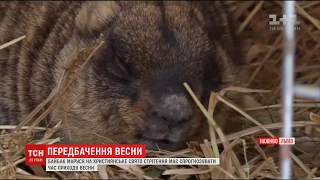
[275, 141]
[35, 154]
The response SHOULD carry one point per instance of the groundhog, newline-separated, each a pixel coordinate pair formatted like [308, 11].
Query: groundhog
[131, 91]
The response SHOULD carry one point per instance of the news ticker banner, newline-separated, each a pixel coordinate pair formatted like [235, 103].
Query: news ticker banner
[87, 157]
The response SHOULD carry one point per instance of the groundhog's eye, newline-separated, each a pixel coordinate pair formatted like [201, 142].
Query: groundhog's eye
[123, 66]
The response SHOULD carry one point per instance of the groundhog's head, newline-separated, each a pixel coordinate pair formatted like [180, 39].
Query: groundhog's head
[132, 91]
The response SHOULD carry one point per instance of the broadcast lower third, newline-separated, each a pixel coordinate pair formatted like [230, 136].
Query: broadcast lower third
[276, 141]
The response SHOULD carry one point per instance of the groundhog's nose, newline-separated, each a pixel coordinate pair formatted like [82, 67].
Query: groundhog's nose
[174, 109]
[168, 123]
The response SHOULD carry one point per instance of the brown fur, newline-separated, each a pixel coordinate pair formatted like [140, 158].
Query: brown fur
[159, 46]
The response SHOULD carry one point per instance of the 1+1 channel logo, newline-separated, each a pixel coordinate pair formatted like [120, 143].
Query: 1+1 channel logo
[279, 24]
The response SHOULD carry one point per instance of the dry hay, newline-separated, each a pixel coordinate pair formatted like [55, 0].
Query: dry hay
[241, 157]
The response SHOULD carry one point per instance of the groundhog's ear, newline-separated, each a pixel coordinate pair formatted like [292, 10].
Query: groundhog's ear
[94, 16]
[221, 26]
[216, 17]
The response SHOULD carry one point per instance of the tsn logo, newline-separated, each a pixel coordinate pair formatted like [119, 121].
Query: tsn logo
[35, 154]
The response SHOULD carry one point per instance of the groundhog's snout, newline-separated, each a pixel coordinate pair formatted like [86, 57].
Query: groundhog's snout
[173, 110]
[169, 122]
